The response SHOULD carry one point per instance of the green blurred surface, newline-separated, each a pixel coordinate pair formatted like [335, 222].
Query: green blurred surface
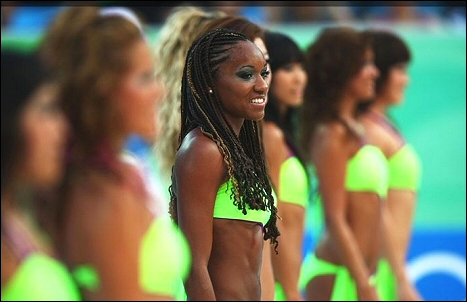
[432, 117]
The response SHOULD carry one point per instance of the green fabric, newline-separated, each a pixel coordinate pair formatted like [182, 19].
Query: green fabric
[41, 278]
[87, 277]
[404, 169]
[386, 281]
[224, 207]
[344, 287]
[293, 182]
[279, 294]
[314, 219]
[368, 171]
[164, 262]
[165, 258]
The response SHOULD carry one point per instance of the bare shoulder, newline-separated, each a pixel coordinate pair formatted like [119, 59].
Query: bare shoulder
[272, 134]
[275, 146]
[199, 156]
[101, 201]
[330, 135]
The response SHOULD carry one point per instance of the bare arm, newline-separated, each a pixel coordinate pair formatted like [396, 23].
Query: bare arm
[109, 223]
[397, 215]
[287, 263]
[199, 171]
[330, 157]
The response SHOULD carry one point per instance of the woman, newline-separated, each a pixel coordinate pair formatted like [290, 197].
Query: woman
[392, 56]
[34, 132]
[176, 36]
[352, 174]
[221, 195]
[110, 229]
[286, 166]
[255, 33]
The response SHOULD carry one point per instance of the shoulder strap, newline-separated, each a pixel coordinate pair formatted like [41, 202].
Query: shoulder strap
[358, 133]
[16, 238]
[385, 123]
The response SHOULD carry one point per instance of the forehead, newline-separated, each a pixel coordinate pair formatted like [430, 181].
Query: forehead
[245, 52]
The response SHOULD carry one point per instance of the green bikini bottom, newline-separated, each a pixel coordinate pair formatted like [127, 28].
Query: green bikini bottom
[344, 285]
[386, 281]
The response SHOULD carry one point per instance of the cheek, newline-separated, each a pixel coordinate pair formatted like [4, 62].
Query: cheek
[139, 111]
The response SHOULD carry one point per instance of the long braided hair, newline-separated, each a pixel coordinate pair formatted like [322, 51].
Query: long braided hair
[242, 154]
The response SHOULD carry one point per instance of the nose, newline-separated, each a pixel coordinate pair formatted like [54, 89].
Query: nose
[375, 70]
[262, 85]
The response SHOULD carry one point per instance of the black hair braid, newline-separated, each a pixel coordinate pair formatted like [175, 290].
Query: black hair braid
[202, 108]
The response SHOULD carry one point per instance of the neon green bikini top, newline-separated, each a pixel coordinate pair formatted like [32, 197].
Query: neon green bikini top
[41, 277]
[225, 209]
[164, 261]
[367, 171]
[404, 169]
[38, 276]
[293, 182]
[404, 165]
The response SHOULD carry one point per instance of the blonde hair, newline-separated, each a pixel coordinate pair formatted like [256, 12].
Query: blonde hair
[177, 34]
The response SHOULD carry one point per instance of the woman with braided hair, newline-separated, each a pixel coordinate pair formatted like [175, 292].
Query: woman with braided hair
[221, 196]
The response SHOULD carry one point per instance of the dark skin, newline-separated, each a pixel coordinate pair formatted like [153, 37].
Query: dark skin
[226, 254]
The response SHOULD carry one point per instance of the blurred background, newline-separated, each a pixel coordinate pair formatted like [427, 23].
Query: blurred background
[432, 117]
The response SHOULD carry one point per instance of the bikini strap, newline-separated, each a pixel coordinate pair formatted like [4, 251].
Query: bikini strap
[385, 123]
[16, 238]
[359, 133]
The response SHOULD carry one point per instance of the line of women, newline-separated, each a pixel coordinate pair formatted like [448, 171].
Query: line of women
[245, 135]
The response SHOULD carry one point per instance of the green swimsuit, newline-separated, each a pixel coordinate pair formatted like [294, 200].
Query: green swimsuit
[39, 277]
[225, 209]
[164, 260]
[404, 174]
[294, 189]
[367, 171]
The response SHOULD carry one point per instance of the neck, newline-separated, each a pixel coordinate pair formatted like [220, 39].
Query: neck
[347, 110]
[379, 108]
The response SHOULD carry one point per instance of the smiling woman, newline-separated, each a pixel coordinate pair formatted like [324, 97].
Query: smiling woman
[220, 194]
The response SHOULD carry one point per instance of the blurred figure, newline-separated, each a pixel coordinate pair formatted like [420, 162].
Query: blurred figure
[221, 194]
[181, 28]
[352, 174]
[33, 149]
[392, 56]
[285, 163]
[111, 232]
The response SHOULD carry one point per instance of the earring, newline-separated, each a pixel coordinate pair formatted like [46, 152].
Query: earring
[210, 90]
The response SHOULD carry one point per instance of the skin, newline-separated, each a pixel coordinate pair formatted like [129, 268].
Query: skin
[226, 254]
[288, 87]
[139, 93]
[121, 209]
[353, 219]
[44, 129]
[399, 213]
[267, 275]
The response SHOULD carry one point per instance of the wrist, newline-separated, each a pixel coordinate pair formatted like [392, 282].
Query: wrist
[368, 282]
